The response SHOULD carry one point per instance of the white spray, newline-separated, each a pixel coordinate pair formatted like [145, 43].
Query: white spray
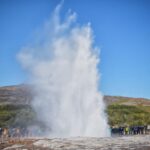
[63, 71]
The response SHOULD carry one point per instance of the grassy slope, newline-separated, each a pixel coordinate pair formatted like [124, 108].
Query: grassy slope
[15, 108]
[129, 111]
[118, 114]
[14, 115]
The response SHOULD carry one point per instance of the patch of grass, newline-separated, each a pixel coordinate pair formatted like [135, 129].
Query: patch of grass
[16, 115]
[119, 115]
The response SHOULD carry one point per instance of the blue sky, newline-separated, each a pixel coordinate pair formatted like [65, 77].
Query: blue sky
[121, 28]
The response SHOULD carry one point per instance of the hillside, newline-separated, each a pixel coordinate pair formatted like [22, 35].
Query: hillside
[16, 95]
[21, 94]
[15, 108]
[124, 111]
[129, 101]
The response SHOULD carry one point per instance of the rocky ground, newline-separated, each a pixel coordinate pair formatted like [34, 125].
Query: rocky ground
[139, 142]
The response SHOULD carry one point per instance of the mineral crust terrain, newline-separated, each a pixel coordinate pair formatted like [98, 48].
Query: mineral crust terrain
[137, 142]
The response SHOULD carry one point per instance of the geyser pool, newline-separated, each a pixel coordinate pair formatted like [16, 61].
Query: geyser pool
[62, 67]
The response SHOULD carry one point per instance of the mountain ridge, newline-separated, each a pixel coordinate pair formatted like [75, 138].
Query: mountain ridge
[22, 94]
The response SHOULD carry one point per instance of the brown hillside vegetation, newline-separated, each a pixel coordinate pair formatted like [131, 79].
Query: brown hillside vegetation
[126, 101]
[15, 95]
[21, 94]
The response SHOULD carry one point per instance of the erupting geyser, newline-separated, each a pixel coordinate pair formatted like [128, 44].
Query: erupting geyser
[63, 70]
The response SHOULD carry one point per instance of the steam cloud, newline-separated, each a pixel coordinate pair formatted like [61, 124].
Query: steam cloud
[63, 70]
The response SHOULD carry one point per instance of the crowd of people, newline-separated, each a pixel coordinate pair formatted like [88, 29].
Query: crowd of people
[18, 132]
[13, 132]
[130, 130]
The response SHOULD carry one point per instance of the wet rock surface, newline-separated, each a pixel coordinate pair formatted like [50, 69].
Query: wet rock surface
[139, 142]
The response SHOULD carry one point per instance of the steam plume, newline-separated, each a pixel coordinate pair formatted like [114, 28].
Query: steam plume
[63, 70]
